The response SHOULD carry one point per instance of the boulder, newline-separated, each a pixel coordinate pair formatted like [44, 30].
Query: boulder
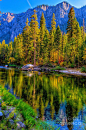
[20, 125]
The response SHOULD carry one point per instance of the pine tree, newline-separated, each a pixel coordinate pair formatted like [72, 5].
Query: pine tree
[38, 48]
[42, 26]
[53, 24]
[78, 42]
[14, 46]
[52, 37]
[4, 49]
[26, 41]
[83, 44]
[10, 50]
[46, 47]
[64, 51]
[20, 50]
[42, 34]
[71, 33]
[58, 42]
[53, 30]
[71, 25]
[34, 33]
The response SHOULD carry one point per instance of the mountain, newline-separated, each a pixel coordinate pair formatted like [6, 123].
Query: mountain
[13, 24]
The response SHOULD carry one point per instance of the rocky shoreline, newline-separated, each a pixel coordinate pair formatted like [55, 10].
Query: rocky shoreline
[10, 117]
[71, 72]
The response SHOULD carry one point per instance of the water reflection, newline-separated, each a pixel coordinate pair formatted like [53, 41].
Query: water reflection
[57, 97]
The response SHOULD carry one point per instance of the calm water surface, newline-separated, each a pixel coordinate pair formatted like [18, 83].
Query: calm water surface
[57, 98]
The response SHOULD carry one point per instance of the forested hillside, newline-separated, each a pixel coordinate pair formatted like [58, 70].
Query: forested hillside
[40, 47]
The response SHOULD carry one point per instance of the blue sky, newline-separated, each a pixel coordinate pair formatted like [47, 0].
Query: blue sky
[18, 6]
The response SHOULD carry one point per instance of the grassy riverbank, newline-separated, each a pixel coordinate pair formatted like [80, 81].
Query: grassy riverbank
[25, 110]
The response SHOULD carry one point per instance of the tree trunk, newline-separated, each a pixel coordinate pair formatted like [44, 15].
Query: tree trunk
[34, 49]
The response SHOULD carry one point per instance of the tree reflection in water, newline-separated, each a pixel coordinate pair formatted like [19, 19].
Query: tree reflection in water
[55, 97]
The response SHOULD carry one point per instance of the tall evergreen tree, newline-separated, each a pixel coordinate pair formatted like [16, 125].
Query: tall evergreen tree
[53, 30]
[71, 33]
[3, 49]
[64, 51]
[26, 41]
[71, 25]
[58, 41]
[34, 32]
[42, 34]
[19, 49]
[52, 37]
[46, 47]
[78, 43]
[10, 50]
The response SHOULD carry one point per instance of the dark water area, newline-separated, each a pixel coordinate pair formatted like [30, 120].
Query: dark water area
[59, 99]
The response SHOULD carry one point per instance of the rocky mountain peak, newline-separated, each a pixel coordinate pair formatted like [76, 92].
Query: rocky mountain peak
[10, 17]
[7, 16]
[65, 5]
[44, 7]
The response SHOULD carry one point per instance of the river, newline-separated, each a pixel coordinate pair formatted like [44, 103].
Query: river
[59, 99]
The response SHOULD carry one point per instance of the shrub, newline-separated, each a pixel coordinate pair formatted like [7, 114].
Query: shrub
[3, 105]
[58, 68]
[83, 69]
[72, 65]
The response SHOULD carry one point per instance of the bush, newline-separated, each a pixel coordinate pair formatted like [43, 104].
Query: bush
[50, 65]
[83, 69]
[58, 68]
[3, 106]
[72, 65]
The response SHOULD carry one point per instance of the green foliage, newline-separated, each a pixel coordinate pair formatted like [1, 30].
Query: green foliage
[72, 65]
[83, 69]
[27, 112]
[58, 68]
[21, 106]
[3, 105]
[15, 66]
[34, 31]
[38, 46]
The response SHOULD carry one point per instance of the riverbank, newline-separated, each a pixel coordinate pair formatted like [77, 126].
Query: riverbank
[18, 108]
[71, 71]
[10, 117]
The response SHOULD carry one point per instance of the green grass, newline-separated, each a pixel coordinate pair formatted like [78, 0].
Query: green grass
[26, 111]
[13, 65]
[58, 68]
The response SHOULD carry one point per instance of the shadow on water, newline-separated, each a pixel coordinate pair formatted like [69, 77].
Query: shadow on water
[57, 98]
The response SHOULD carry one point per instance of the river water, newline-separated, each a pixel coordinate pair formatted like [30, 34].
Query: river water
[59, 99]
